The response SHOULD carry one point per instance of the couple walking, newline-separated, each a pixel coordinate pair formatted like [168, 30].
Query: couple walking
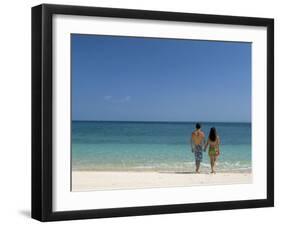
[198, 144]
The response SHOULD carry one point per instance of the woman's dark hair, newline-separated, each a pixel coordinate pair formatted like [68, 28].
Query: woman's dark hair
[198, 126]
[213, 134]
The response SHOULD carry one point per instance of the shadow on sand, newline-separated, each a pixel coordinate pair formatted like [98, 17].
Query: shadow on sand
[180, 172]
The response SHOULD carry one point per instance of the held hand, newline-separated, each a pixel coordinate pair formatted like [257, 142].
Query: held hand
[205, 147]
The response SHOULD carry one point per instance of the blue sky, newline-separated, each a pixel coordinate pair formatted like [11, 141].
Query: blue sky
[150, 79]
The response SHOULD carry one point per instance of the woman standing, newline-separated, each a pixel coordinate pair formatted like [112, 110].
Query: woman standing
[213, 142]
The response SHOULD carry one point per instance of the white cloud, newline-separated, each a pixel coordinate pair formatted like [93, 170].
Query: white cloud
[107, 98]
[127, 98]
[119, 100]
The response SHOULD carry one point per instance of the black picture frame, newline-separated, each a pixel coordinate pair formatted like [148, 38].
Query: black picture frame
[42, 111]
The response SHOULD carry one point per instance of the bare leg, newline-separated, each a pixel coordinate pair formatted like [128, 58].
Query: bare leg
[197, 166]
[215, 159]
[212, 164]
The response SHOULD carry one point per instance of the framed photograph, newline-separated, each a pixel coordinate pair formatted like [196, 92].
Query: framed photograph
[140, 112]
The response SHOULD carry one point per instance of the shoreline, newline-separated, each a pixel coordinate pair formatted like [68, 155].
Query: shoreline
[148, 170]
[89, 180]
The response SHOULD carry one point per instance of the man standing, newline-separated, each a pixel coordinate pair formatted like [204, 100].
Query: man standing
[197, 144]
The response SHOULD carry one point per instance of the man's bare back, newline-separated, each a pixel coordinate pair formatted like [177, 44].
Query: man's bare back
[198, 136]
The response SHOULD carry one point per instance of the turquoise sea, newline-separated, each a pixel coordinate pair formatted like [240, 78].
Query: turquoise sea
[155, 146]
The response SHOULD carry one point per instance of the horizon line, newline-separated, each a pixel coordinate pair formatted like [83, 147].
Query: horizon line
[89, 120]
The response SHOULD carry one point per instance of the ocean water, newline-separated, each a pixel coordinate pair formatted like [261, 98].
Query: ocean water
[155, 146]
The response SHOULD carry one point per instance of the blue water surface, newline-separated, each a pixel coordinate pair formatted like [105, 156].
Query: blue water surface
[154, 146]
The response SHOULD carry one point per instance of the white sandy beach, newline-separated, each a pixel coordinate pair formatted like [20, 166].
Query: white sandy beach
[105, 180]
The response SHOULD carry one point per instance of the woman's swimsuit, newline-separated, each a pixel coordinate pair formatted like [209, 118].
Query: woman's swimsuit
[212, 151]
[214, 148]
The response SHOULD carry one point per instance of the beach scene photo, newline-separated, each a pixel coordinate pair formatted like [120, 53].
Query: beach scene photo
[159, 112]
